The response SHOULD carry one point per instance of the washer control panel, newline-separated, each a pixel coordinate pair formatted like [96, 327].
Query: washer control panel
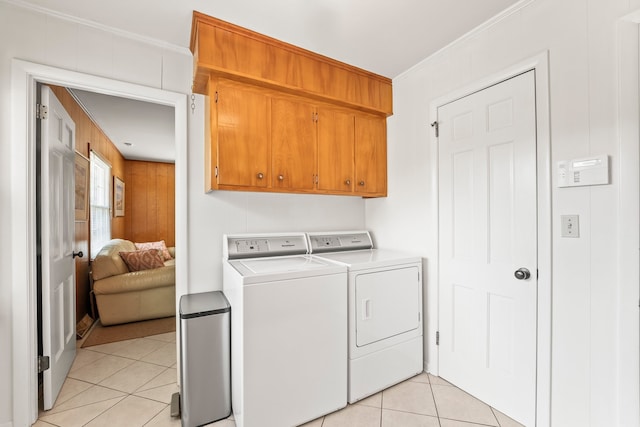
[264, 245]
[339, 241]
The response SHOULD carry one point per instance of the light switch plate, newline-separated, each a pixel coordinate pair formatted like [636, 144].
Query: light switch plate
[570, 226]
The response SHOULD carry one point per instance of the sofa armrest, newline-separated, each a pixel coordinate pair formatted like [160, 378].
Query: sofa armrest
[136, 281]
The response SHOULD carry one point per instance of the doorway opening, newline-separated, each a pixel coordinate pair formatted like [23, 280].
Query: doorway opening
[124, 141]
[25, 76]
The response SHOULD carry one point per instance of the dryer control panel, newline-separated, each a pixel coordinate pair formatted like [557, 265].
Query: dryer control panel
[339, 241]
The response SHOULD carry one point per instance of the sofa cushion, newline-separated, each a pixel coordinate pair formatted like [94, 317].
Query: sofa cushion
[137, 281]
[155, 245]
[108, 261]
[146, 259]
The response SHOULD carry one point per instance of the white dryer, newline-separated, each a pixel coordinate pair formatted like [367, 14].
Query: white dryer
[385, 310]
[288, 330]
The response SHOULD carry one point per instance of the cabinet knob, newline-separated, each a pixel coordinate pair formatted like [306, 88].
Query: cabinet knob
[361, 183]
[280, 177]
[260, 175]
[347, 182]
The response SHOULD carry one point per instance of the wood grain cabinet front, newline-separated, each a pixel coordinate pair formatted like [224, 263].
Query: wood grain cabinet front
[239, 136]
[370, 156]
[335, 151]
[293, 144]
[264, 141]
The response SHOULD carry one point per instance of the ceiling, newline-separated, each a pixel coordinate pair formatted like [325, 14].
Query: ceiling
[139, 130]
[381, 36]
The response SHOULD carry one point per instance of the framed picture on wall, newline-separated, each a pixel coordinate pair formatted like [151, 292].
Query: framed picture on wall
[118, 197]
[82, 187]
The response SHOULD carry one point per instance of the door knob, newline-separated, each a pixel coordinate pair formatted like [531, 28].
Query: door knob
[260, 175]
[77, 254]
[280, 177]
[347, 182]
[522, 274]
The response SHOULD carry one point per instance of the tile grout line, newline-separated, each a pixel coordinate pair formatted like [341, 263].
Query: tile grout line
[493, 411]
[381, 405]
[89, 404]
[433, 397]
[154, 416]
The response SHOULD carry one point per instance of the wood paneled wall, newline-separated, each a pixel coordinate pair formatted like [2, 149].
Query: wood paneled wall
[90, 137]
[150, 201]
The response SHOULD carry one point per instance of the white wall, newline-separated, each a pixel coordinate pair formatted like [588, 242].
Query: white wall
[43, 38]
[581, 37]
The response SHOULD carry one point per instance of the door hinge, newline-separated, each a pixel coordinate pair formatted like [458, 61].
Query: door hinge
[43, 363]
[216, 171]
[42, 112]
[436, 127]
[215, 97]
[437, 337]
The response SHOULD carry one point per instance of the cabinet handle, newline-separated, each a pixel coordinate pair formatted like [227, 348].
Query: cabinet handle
[361, 183]
[347, 182]
[260, 175]
[280, 177]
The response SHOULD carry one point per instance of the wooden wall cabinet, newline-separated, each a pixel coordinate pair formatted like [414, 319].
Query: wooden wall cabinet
[284, 119]
[240, 137]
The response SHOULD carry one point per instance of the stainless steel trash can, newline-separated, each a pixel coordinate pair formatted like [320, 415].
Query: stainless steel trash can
[205, 358]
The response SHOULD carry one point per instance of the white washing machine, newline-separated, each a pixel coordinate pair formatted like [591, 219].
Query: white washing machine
[288, 330]
[385, 310]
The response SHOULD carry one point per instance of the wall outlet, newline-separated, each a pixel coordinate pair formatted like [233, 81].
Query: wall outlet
[570, 226]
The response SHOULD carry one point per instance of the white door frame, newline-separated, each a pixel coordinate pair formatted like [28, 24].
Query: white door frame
[24, 76]
[539, 63]
[628, 70]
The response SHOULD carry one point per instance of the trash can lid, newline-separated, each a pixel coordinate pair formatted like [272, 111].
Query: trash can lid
[203, 304]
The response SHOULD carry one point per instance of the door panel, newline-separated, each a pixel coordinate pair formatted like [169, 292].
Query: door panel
[293, 138]
[243, 144]
[57, 198]
[488, 226]
[387, 304]
[370, 155]
[335, 150]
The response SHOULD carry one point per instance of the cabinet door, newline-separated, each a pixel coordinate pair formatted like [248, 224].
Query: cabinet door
[242, 140]
[293, 144]
[335, 150]
[371, 155]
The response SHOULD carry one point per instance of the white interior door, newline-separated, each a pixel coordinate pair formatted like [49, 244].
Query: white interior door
[488, 229]
[57, 190]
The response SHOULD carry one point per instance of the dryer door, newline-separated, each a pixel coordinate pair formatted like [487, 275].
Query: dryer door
[387, 304]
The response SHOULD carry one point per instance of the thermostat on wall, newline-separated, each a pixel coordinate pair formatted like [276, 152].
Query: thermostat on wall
[585, 171]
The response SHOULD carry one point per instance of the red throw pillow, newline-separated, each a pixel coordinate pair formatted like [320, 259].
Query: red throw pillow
[143, 260]
[155, 245]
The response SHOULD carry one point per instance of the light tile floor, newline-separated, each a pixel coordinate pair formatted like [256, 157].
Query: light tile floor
[130, 383]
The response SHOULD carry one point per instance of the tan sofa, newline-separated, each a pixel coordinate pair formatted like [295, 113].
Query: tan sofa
[124, 296]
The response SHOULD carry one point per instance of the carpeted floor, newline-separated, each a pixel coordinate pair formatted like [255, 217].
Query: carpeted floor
[105, 334]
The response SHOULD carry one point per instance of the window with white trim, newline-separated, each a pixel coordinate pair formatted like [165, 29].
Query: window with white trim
[100, 200]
